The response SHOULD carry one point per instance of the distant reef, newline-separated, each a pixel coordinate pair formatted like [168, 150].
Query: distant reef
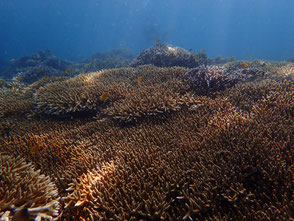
[165, 55]
[115, 58]
[204, 141]
[31, 68]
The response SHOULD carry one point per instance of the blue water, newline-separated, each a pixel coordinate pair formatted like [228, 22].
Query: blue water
[75, 29]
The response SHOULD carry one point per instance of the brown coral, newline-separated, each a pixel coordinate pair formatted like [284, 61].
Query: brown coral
[22, 187]
[82, 93]
[224, 167]
[149, 101]
[216, 158]
[244, 96]
[74, 95]
[14, 102]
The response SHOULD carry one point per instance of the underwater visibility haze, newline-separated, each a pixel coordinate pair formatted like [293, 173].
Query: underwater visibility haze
[146, 110]
[75, 29]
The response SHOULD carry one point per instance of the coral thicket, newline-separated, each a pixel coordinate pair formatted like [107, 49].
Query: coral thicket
[24, 188]
[152, 143]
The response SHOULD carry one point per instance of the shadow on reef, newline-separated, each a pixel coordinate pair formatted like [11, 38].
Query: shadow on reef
[205, 143]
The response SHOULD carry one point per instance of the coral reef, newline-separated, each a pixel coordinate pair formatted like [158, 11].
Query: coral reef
[164, 55]
[13, 101]
[220, 60]
[116, 58]
[74, 95]
[149, 101]
[16, 99]
[25, 192]
[29, 69]
[122, 54]
[185, 156]
[275, 70]
[82, 94]
[245, 96]
[205, 164]
[206, 79]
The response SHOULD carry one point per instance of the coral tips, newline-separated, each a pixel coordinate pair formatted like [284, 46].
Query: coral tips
[34, 149]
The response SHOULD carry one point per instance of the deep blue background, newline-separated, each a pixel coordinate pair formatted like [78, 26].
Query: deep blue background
[75, 29]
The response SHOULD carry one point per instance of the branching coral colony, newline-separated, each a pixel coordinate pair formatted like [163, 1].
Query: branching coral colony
[150, 143]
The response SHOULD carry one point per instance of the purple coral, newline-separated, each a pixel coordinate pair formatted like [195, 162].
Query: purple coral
[247, 74]
[205, 79]
[211, 78]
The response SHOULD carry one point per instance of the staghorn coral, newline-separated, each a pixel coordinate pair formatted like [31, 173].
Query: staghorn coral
[248, 74]
[51, 152]
[207, 163]
[14, 102]
[283, 70]
[164, 55]
[149, 101]
[244, 96]
[222, 167]
[215, 158]
[22, 187]
[128, 76]
[16, 99]
[82, 93]
[79, 94]
[63, 151]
